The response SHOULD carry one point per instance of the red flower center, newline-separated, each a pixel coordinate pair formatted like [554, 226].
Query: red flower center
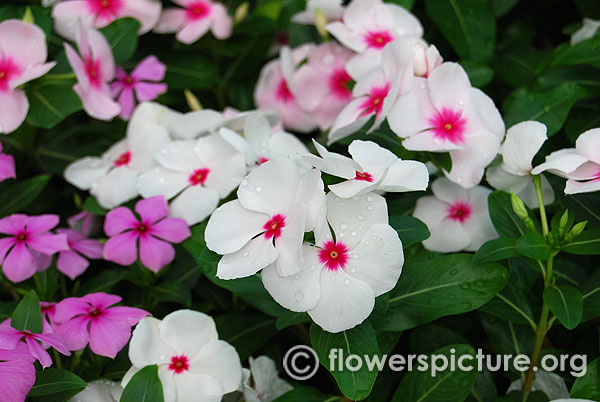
[123, 159]
[22, 237]
[459, 211]
[374, 102]
[8, 70]
[197, 10]
[334, 255]
[283, 92]
[338, 83]
[142, 228]
[199, 176]
[449, 125]
[262, 160]
[179, 364]
[364, 176]
[273, 226]
[94, 312]
[105, 9]
[378, 39]
[93, 71]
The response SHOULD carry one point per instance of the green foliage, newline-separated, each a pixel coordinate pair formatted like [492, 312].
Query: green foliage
[27, 314]
[56, 385]
[144, 386]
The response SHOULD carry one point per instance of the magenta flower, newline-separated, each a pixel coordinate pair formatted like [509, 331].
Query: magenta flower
[90, 319]
[48, 311]
[17, 373]
[7, 166]
[94, 67]
[72, 262]
[27, 234]
[195, 19]
[84, 222]
[22, 59]
[154, 231]
[149, 69]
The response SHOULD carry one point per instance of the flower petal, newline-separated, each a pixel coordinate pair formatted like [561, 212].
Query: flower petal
[19, 264]
[195, 204]
[16, 379]
[119, 220]
[48, 243]
[188, 331]
[155, 253]
[147, 346]
[219, 359]
[254, 256]
[71, 264]
[522, 142]
[152, 209]
[108, 337]
[121, 248]
[13, 109]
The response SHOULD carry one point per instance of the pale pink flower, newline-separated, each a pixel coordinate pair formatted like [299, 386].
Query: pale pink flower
[195, 19]
[331, 9]
[27, 234]
[23, 55]
[10, 339]
[274, 90]
[7, 166]
[48, 310]
[94, 67]
[17, 373]
[99, 13]
[153, 229]
[443, 113]
[72, 262]
[91, 319]
[149, 69]
[321, 84]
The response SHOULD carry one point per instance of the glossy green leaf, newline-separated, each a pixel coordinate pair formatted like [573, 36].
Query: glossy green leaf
[28, 315]
[144, 386]
[496, 250]
[15, 197]
[534, 245]
[56, 385]
[566, 303]
[410, 229]
[122, 36]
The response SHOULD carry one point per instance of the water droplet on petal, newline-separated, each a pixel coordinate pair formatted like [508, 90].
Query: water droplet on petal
[400, 31]
[299, 296]
[369, 199]
[258, 189]
[244, 182]
[353, 233]
[355, 256]
[353, 270]
[361, 217]
[313, 267]
[422, 85]
[360, 227]
[344, 225]
[246, 254]
[346, 282]
[370, 207]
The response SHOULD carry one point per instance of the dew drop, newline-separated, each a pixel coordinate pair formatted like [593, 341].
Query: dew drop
[156, 170]
[400, 31]
[244, 182]
[370, 207]
[161, 180]
[464, 286]
[375, 237]
[451, 296]
[355, 256]
[162, 357]
[246, 254]
[361, 217]
[337, 199]
[369, 199]
[353, 233]
[466, 305]
[346, 282]
[258, 189]
[344, 225]
[367, 243]
[353, 270]
[299, 296]
[313, 267]
[333, 277]
[342, 203]
[360, 227]
[422, 85]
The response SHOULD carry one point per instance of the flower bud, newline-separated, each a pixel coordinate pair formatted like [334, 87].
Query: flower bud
[577, 229]
[192, 101]
[425, 59]
[518, 206]
[564, 220]
[320, 23]
[28, 16]
[241, 12]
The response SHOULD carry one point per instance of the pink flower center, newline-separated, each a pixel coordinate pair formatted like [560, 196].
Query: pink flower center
[8, 71]
[179, 364]
[94, 312]
[128, 81]
[364, 176]
[262, 160]
[283, 92]
[459, 211]
[197, 10]
[94, 74]
[374, 102]
[273, 226]
[378, 39]
[334, 256]
[22, 237]
[123, 159]
[338, 83]
[449, 125]
[142, 228]
[199, 176]
[105, 9]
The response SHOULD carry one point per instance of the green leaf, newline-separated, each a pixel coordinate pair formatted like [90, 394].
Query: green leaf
[56, 385]
[190, 71]
[51, 102]
[305, 394]
[144, 386]
[122, 36]
[28, 314]
[446, 385]
[291, 318]
[247, 332]
[549, 107]
[587, 243]
[495, 250]
[91, 205]
[468, 25]
[410, 229]
[432, 288]
[479, 74]
[15, 197]
[510, 305]
[566, 303]
[591, 297]
[507, 338]
[584, 52]
[501, 7]
[588, 385]
[534, 245]
[173, 291]
[104, 281]
[361, 341]
[506, 222]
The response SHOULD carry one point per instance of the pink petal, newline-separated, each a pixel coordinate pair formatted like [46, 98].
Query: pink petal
[38, 352]
[119, 220]
[115, 88]
[101, 300]
[31, 73]
[7, 167]
[101, 51]
[149, 69]
[21, 352]
[13, 224]
[174, 230]
[78, 67]
[75, 332]
[121, 249]
[71, 264]
[19, 264]
[16, 379]
[147, 12]
[68, 308]
[222, 22]
[54, 341]
[42, 261]
[127, 102]
[88, 247]
[129, 315]
[107, 337]
[9, 337]
[69, 15]
[49, 243]
[146, 92]
[170, 20]
[98, 103]
[41, 223]
[25, 42]
[5, 245]
[192, 31]
[155, 253]
[13, 109]
[152, 209]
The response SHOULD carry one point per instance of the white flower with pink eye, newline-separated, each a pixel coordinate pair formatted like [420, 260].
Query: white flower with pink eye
[457, 218]
[522, 142]
[23, 55]
[193, 364]
[95, 14]
[581, 165]
[94, 67]
[331, 9]
[425, 59]
[339, 279]
[371, 168]
[262, 383]
[195, 174]
[321, 84]
[266, 224]
[443, 113]
[274, 91]
[375, 93]
[194, 19]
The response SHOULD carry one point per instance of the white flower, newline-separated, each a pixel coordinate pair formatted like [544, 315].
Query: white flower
[371, 168]
[99, 391]
[587, 30]
[549, 383]
[193, 364]
[199, 173]
[267, 222]
[339, 280]
[262, 383]
[522, 142]
[331, 9]
[457, 218]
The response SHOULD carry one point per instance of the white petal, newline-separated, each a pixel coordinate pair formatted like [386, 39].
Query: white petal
[161, 181]
[405, 176]
[227, 165]
[480, 229]
[588, 144]
[179, 156]
[187, 331]
[561, 162]
[431, 211]
[447, 191]
[371, 157]
[411, 111]
[313, 194]
[448, 237]
[147, 346]
[522, 142]
[288, 145]
[254, 256]
[192, 387]
[332, 163]
[500, 179]
[468, 164]
[83, 172]
[577, 187]
[489, 115]
[428, 141]
[194, 204]
[448, 84]
[266, 378]
[195, 124]
[348, 121]
[117, 187]
[289, 244]
[220, 360]
[351, 188]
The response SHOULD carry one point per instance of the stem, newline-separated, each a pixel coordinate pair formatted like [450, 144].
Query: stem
[57, 359]
[537, 182]
[65, 76]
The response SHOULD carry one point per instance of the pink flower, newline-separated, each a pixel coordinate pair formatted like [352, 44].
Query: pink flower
[195, 19]
[90, 319]
[7, 166]
[17, 373]
[10, 339]
[149, 69]
[48, 311]
[99, 13]
[94, 67]
[84, 222]
[154, 231]
[22, 58]
[71, 262]
[27, 234]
